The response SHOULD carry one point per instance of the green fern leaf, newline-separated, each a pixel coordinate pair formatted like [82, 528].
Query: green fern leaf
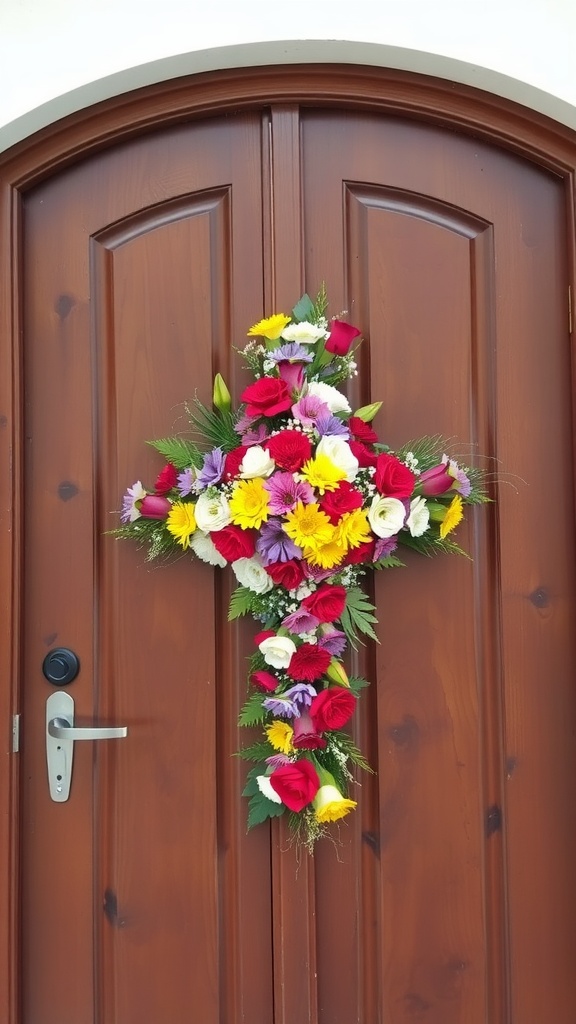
[253, 713]
[177, 450]
[241, 602]
[358, 617]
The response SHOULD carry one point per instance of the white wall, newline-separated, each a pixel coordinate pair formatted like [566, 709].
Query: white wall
[61, 55]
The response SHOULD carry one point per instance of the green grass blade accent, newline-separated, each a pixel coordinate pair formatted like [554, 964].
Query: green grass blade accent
[180, 452]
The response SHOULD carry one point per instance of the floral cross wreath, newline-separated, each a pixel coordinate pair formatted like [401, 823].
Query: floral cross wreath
[299, 496]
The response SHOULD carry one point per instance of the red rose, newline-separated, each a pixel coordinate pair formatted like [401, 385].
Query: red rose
[264, 680]
[345, 498]
[393, 479]
[306, 736]
[233, 542]
[267, 397]
[166, 479]
[296, 784]
[327, 603]
[363, 553]
[308, 663]
[362, 431]
[332, 708]
[154, 506]
[363, 454]
[232, 462]
[290, 449]
[341, 337]
[286, 574]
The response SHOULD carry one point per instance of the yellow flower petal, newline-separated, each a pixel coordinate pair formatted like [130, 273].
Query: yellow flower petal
[271, 327]
[308, 526]
[249, 504]
[280, 736]
[454, 515]
[181, 522]
[322, 474]
[330, 805]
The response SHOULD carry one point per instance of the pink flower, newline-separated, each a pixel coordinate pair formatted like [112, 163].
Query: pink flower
[155, 506]
[435, 481]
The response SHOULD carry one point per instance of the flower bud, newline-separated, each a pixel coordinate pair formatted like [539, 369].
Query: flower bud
[155, 506]
[368, 412]
[221, 396]
[435, 481]
[337, 673]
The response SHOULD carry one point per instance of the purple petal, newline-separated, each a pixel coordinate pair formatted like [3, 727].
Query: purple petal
[300, 621]
[186, 481]
[293, 352]
[212, 469]
[330, 426]
[274, 545]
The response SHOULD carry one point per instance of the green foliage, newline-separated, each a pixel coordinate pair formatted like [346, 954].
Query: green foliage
[389, 562]
[241, 602]
[357, 683]
[260, 808]
[177, 450]
[150, 533]
[348, 747]
[253, 713]
[430, 545]
[214, 426]
[255, 752]
[428, 450]
[321, 304]
[358, 616]
[304, 309]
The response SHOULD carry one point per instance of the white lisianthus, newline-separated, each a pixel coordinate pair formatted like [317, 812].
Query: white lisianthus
[250, 573]
[203, 547]
[340, 453]
[265, 787]
[256, 462]
[419, 518]
[386, 516]
[277, 650]
[333, 398]
[212, 513]
[304, 333]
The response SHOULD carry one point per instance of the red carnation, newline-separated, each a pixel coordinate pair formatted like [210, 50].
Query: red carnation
[232, 542]
[341, 337]
[308, 663]
[365, 456]
[362, 431]
[296, 784]
[286, 574]
[290, 449]
[344, 498]
[327, 603]
[232, 462]
[264, 680]
[392, 478]
[332, 708]
[166, 479]
[267, 396]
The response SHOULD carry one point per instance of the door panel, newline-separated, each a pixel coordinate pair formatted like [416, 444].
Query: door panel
[132, 307]
[448, 896]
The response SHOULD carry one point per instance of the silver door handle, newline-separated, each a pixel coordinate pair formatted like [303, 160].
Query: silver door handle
[62, 729]
[60, 735]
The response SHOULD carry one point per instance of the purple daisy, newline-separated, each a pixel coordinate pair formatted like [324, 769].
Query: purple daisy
[186, 481]
[291, 353]
[301, 693]
[333, 641]
[255, 435]
[274, 545]
[285, 492]
[308, 409]
[329, 425]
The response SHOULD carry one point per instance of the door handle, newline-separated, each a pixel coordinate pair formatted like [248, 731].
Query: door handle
[61, 729]
[60, 736]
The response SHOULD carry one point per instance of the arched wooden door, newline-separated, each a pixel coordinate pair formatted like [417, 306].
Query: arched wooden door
[449, 897]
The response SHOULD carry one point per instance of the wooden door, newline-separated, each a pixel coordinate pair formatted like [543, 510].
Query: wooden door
[449, 896]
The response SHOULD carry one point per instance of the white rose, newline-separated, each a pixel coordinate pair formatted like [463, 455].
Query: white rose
[333, 398]
[256, 462]
[277, 651]
[386, 516]
[304, 333]
[340, 453]
[265, 787]
[251, 573]
[203, 548]
[419, 517]
[212, 513]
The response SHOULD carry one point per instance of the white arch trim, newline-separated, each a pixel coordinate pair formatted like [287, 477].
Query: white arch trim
[306, 51]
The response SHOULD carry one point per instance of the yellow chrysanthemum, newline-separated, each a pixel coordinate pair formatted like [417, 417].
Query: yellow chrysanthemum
[454, 515]
[330, 805]
[249, 504]
[280, 736]
[327, 555]
[322, 474]
[354, 528]
[271, 327]
[181, 522]
[308, 526]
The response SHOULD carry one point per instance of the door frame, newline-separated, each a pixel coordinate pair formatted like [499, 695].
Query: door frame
[512, 127]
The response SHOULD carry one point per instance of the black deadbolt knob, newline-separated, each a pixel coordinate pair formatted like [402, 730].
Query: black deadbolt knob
[60, 666]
